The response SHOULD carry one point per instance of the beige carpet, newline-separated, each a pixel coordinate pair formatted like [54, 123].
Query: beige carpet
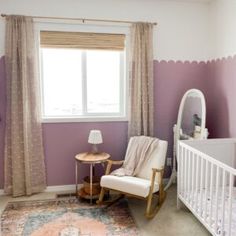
[169, 221]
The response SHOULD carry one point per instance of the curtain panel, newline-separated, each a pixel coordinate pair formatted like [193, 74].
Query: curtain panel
[24, 168]
[141, 113]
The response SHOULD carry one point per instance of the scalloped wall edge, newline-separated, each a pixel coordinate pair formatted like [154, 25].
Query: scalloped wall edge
[230, 57]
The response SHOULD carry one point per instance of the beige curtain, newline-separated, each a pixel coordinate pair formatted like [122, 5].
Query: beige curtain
[24, 155]
[141, 80]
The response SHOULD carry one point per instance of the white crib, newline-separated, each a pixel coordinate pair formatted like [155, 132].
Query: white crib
[206, 182]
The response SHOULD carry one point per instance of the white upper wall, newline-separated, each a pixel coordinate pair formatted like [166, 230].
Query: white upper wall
[222, 18]
[181, 33]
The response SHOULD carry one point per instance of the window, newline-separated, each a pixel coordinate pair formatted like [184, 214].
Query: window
[82, 79]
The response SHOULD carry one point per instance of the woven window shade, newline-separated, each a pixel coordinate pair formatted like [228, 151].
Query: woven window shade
[81, 40]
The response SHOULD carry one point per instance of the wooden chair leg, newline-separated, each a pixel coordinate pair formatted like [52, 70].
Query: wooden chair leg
[150, 213]
[162, 195]
[149, 204]
[101, 196]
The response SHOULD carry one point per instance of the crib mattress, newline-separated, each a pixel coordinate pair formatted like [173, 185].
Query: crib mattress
[216, 206]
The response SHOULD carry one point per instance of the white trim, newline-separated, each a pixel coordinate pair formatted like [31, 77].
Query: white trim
[83, 119]
[62, 188]
[71, 188]
[210, 141]
[100, 117]
[126, 75]
[56, 188]
[84, 82]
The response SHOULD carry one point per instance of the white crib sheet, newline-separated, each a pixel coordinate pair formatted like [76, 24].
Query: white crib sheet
[192, 197]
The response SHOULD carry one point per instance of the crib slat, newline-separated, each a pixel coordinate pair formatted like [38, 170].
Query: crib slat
[197, 182]
[217, 196]
[179, 170]
[185, 174]
[206, 190]
[230, 202]
[189, 174]
[182, 172]
[211, 194]
[223, 204]
[201, 186]
[193, 174]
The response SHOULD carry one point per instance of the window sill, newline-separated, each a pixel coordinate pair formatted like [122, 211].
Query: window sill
[82, 119]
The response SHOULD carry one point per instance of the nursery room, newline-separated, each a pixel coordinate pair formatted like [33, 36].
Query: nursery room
[117, 117]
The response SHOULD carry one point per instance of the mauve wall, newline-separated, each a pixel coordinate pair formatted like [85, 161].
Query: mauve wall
[63, 140]
[221, 87]
[172, 80]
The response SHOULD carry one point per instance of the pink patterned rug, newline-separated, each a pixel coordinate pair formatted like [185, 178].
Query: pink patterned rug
[67, 217]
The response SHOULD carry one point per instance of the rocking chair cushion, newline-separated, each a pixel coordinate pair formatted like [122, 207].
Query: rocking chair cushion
[128, 184]
[156, 160]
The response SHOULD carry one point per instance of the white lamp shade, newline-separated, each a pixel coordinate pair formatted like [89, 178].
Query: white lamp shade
[95, 137]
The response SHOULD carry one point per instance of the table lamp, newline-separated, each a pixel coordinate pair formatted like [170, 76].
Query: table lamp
[95, 137]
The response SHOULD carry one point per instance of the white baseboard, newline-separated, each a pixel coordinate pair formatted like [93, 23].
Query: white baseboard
[56, 188]
[66, 188]
[62, 188]
[69, 188]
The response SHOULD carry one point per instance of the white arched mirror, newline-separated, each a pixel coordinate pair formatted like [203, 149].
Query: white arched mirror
[191, 119]
[190, 124]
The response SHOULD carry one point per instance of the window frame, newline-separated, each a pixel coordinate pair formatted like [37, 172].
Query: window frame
[88, 117]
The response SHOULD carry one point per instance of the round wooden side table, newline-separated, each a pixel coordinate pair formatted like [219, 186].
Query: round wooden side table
[92, 159]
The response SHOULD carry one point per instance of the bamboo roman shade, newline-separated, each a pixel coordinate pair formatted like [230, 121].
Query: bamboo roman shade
[82, 40]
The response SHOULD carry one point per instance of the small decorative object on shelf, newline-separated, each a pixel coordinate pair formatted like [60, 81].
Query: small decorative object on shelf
[95, 137]
[197, 120]
[197, 132]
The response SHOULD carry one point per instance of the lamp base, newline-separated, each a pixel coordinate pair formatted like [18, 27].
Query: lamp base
[94, 149]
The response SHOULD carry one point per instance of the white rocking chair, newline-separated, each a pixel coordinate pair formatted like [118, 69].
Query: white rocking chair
[144, 184]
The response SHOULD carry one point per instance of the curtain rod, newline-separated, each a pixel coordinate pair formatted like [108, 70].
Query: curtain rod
[82, 19]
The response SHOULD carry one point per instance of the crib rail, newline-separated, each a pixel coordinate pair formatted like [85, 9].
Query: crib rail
[206, 187]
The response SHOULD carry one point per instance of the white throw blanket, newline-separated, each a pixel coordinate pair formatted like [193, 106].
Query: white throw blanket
[139, 150]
